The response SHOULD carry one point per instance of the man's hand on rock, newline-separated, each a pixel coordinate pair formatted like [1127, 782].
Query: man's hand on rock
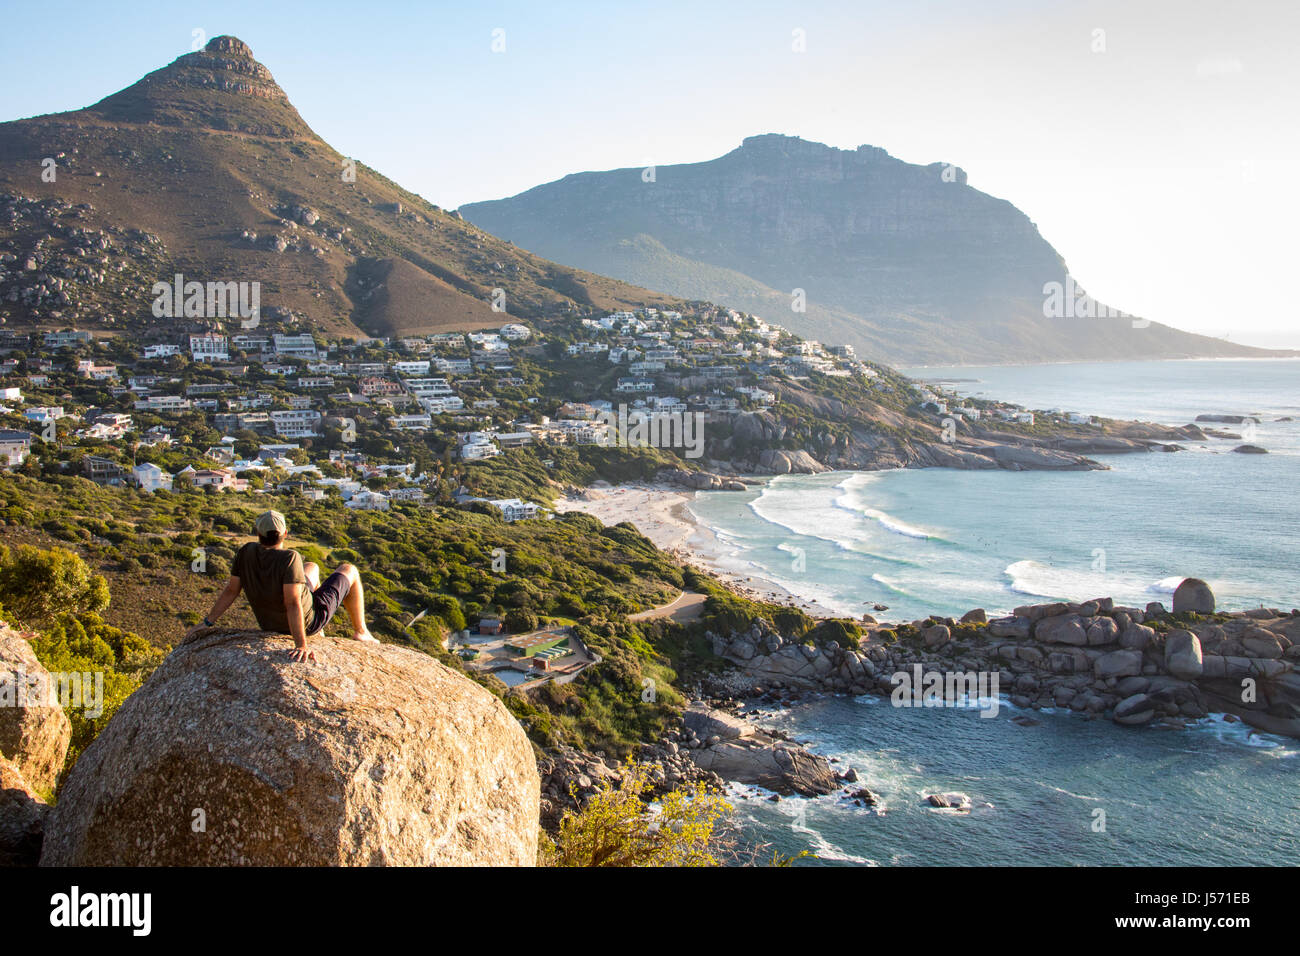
[302, 654]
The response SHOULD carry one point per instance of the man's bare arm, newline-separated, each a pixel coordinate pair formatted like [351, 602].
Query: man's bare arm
[225, 598]
[293, 609]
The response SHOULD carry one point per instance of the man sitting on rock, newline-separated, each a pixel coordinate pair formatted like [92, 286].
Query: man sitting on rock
[287, 596]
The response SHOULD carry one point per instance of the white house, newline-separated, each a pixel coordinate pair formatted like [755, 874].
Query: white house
[513, 509]
[209, 347]
[411, 423]
[368, 501]
[150, 477]
[14, 447]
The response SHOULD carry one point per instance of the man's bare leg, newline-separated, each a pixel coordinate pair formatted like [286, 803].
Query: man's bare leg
[312, 570]
[354, 604]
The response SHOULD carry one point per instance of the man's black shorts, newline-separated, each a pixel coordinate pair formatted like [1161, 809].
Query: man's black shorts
[325, 600]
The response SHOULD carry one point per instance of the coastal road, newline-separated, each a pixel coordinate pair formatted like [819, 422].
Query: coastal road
[688, 606]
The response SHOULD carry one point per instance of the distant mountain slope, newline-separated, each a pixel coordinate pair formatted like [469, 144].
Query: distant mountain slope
[906, 262]
[205, 168]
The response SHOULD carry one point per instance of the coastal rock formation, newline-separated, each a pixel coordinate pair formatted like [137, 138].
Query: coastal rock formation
[22, 818]
[1193, 594]
[34, 730]
[737, 750]
[1092, 657]
[232, 754]
[776, 461]
[1183, 654]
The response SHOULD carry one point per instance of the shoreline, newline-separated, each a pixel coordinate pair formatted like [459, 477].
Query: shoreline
[662, 513]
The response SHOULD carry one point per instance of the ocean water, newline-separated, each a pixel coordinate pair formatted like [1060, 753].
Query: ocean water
[941, 541]
[1215, 794]
[927, 541]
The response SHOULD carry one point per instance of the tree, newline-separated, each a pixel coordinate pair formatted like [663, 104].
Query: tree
[36, 586]
[519, 620]
[616, 828]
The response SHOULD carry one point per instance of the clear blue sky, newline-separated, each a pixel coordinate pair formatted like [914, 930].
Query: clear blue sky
[1162, 166]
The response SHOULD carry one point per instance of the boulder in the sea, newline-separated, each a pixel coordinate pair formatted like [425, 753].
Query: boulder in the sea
[1193, 594]
[232, 754]
[1134, 710]
[1250, 450]
[951, 800]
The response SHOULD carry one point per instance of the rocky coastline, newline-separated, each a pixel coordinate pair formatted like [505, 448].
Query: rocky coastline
[1103, 660]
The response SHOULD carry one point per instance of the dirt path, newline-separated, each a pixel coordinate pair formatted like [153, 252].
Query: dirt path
[688, 606]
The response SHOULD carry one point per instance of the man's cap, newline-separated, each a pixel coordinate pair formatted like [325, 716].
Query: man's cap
[271, 521]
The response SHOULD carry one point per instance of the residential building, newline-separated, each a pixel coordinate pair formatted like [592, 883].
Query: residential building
[149, 477]
[368, 501]
[298, 346]
[15, 446]
[68, 339]
[103, 471]
[209, 347]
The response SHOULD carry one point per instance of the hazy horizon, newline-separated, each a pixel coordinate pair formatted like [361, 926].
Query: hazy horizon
[1152, 155]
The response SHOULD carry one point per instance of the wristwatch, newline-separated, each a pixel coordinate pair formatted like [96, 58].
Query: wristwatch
[207, 623]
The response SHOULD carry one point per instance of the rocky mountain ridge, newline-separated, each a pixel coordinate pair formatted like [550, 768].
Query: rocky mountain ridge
[908, 263]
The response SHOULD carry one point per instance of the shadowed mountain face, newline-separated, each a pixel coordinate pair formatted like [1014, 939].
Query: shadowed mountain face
[908, 263]
[205, 168]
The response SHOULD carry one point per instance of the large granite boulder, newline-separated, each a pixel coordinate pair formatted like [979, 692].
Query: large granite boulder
[1135, 710]
[34, 730]
[232, 754]
[1183, 654]
[1193, 595]
[1062, 629]
[1118, 664]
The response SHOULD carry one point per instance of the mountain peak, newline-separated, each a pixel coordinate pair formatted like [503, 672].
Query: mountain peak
[220, 87]
[231, 46]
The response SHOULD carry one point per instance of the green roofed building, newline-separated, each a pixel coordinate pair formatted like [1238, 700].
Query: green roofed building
[530, 645]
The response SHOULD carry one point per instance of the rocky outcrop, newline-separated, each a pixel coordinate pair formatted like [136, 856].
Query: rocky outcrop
[232, 754]
[776, 461]
[700, 480]
[1092, 657]
[737, 750]
[34, 730]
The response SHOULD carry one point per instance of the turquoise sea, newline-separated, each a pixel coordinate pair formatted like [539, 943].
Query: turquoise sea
[940, 541]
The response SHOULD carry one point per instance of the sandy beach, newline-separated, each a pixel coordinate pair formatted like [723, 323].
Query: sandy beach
[662, 513]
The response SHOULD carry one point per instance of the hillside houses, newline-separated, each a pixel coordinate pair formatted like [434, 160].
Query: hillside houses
[15, 446]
